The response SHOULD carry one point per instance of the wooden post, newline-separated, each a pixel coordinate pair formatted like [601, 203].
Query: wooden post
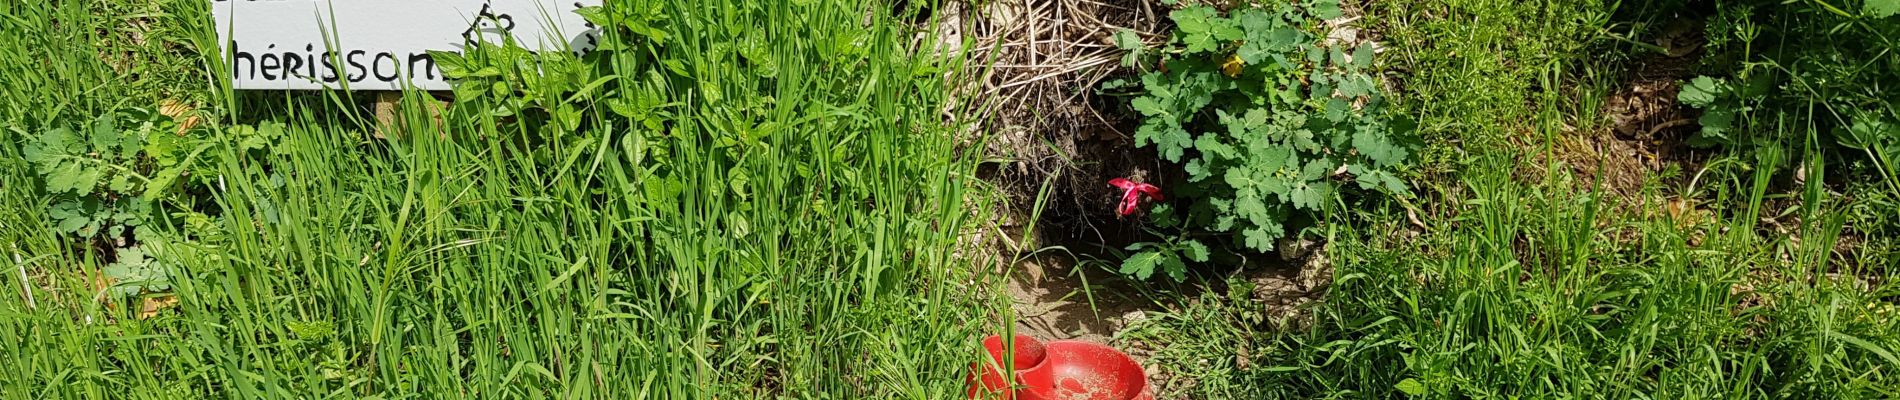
[387, 103]
[388, 106]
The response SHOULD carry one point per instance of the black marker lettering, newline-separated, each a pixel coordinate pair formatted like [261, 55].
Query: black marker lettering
[359, 72]
[329, 67]
[472, 35]
[267, 63]
[308, 49]
[428, 65]
[238, 65]
[293, 63]
[394, 67]
[578, 6]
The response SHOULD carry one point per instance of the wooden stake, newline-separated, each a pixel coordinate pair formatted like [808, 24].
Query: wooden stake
[388, 106]
[387, 103]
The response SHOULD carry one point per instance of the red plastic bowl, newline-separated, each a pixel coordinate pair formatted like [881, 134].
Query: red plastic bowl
[1060, 370]
[986, 378]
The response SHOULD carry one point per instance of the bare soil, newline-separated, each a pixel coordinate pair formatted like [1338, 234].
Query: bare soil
[1644, 131]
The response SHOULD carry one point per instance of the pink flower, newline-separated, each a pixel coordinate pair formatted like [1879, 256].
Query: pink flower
[1131, 195]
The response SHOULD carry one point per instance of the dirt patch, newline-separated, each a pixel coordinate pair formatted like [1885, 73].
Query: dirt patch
[1054, 298]
[1643, 131]
[1060, 141]
[1074, 294]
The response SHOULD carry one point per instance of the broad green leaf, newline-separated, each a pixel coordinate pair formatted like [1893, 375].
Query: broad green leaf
[1394, 186]
[1868, 131]
[452, 65]
[35, 154]
[253, 142]
[1251, 206]
[1337, 109]
[595, 15]
[1147, 106]
[1200, 43]
[1317, 169]
[1256, 117]
[1253, 52]
[65, 177]
[120, 183]
[1194, 250]
[1235, 126]
[1172, 142]
[1201, 28]
[1141, 265]
[52, 144]
[1256, 23]
[1148, 132]
[63, 210]
[1193, 19]
[1127, 39]
[1196, 169]
[1239, 178]
[1326, 9]
[1356, 85]
[1272, 159]
[1224, 223]
[1362, 57]
[1410, 387]
[1304, 197]
[104, 126]
[72, 224]
[1262, 45]
[1378, 148]
[1716, 123]
[104, 136]
[1364, 177]
[1278, 185]
[1211, 146]
[1259, 238]
[164, 149]
[1176, 269]
[1700, 92]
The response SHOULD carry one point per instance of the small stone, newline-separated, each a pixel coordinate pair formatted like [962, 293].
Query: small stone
[1132, 318]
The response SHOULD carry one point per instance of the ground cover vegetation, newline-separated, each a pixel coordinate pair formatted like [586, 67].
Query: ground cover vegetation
[1260, 113]
[1753, 265]
[728, 200]
[774, 199]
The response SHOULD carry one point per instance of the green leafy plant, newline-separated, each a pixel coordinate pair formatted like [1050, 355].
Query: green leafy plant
[136, 272]
[1879, 138]
[523, 84]
[1790, 60]
[1722, 102]
[1169, 257]
[105, 174]
[1267, 121]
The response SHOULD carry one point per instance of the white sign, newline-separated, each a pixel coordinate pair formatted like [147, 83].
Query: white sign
[380, 44]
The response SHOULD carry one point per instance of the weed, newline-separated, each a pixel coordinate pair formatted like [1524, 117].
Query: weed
[1264, 117]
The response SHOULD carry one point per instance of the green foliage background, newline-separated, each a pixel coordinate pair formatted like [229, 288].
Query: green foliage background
[1267, 120]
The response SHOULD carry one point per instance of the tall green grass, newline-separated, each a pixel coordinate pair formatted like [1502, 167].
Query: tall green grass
[787, 236]
[1728, 279]
[1543, 290]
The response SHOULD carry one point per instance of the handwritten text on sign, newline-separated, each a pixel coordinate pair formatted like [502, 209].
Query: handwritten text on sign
[379, 44]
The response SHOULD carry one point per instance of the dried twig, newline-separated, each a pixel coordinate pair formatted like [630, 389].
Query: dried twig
[26, 287]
